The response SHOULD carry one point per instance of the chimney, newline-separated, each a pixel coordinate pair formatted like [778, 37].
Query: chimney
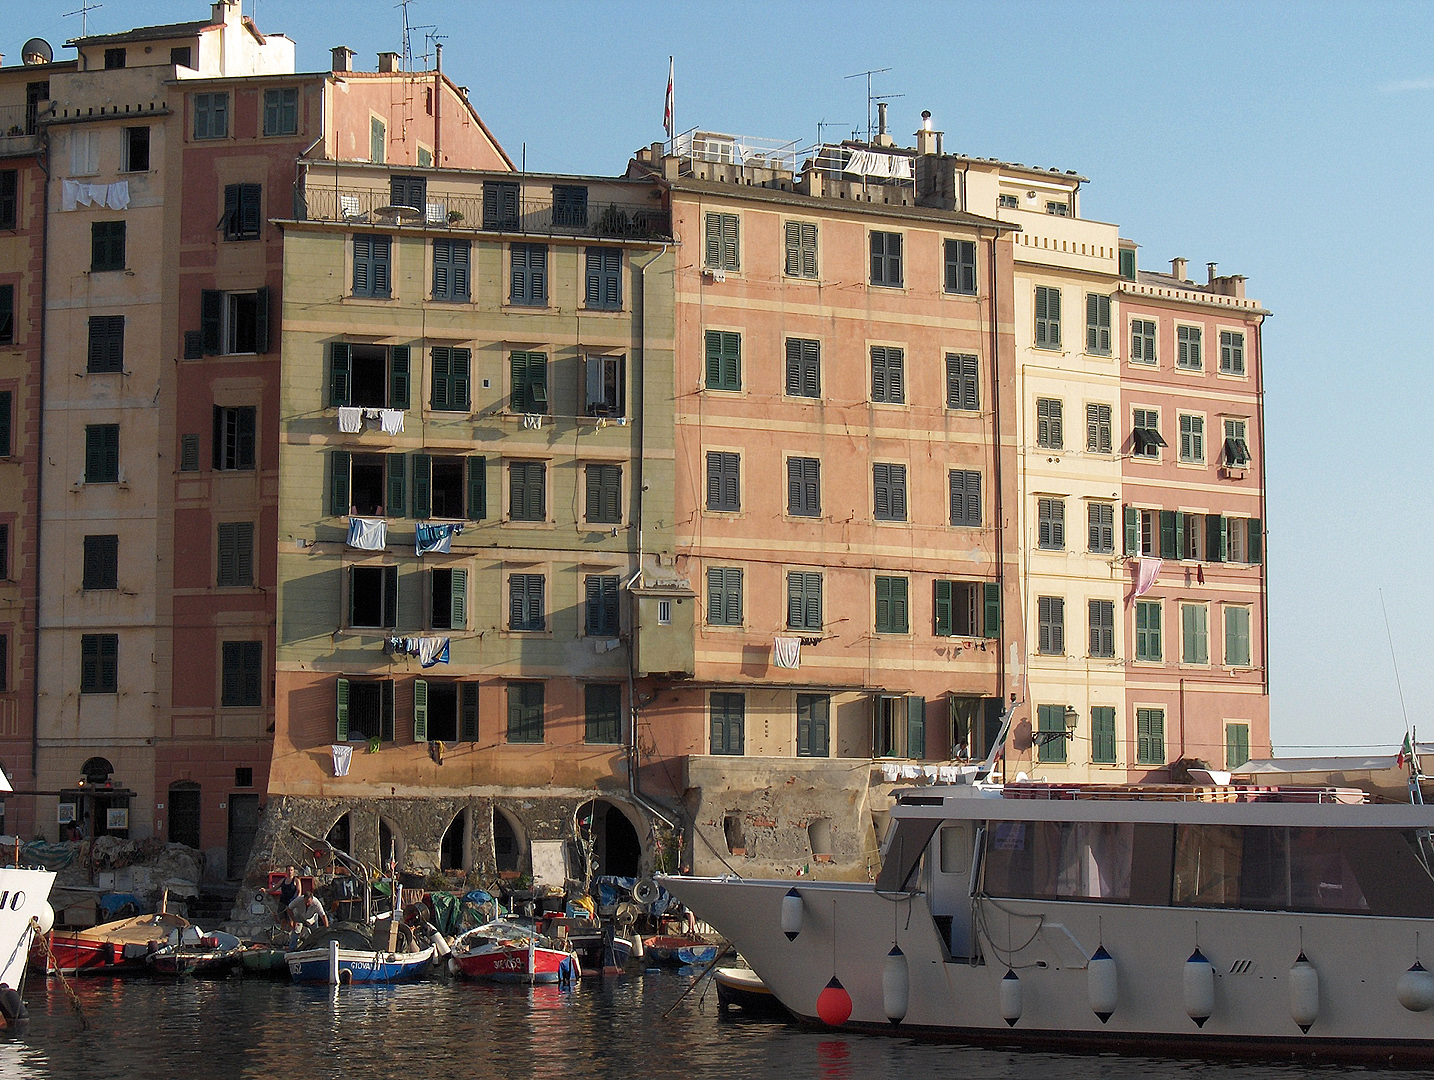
[1177, 268]
[1210, 270]
[388, 62]
[882, 138]
[221, 9]
[926, 137]
[343, 58]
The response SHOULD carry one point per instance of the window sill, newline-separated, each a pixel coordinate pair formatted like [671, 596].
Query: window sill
[603, 311]
[524, 524]
[528, 309]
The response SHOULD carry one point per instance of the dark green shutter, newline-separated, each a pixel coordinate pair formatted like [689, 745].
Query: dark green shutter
[794, 249]
[338, 483]
[342, 711]
[468, 705]
[439, 363]
[915, 726]
[422, 485]
[1179, 535]
[991, 623]
[1132, 531]
[460, 361]
[898, 606]
[385, 718]
[211, 318]
[1255, 544]
[714, 240]
[420, 710]
[398, 374]
[477, 488]
[7, 399]
[390, 596]
[883, 604]
[338, 374]
[395, 485]
[261, 321]
[941, 604]
[1214, 538]
[458, 599]
[1168, 549]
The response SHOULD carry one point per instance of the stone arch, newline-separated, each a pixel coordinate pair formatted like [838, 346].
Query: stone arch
[340, 834]
[97, 770]
[614, 834]
[510, 842]
[391, 843]
[455, 849]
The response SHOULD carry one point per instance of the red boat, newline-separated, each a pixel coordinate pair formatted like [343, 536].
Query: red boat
[504, 952]
[110, 949]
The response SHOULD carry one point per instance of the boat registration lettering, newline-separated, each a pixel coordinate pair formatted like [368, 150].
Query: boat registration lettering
[1009, 836]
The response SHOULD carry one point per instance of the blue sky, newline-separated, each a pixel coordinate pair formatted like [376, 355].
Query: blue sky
[1282, 141]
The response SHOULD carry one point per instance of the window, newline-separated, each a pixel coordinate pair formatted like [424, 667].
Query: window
[965, 498]
[962, 383]
[7, 314]
[530, 382]
[365, 710]
[1150, 736]
[530, 275]
[1146, 439]
[804, 600]
[1192, 438]
[114, 58]
[445, 711]
[724, 481]
[724, 360]
[1127, 264]
[601, 616]
[899, 726]
[377, 140]
[728, 715]
[443, 487]
[814, 725]
[891, 605]
[1051, 524]
[1142, 341]
[106, 246]
[1237, 448]
[366, 485]
[136, 150]
[1187, 343]
[189, 453]
[606, 391]
[1051, 619]
[102, 454]
[1237, 636]
[1147, 631]
[525, 602]
[1051, 721]
[961, 267]
[281, 111]
[211, 116]
[889, 482]
[888, 380]
[500, 205]
[1008, 202]
[451, 379]
[604, 279]
[241, 685]
[1232, 353]
[804, 368]
[1194, 634]
[369, 376]
[1048, 317]
[724, 596]
[604, 494]
[602, 709]
[886, 259]
[1097, 429]
[1102, 733]
[1059, 209]
[242, 214]
[106, 344]
[527, 496]
[722, 247]
[525, 712]
[1237, 745]
[7, 398]
[450, 269]
[233, 323]
[84, 153]
[1102, 628]
[101, 570]
[373, 596]
[1049, 432]
[1190, 546]
[1101, 518]
[99, 663]
[448, 598]
[804, 490]
[801, 242]
[409, 191]
[181, 56]
[4, 552]
[959, 610]
[664, 613]
[1097, 324]
[234, 437]
[235, 555]
[371, 266]
[570, 206]
[1142, 531]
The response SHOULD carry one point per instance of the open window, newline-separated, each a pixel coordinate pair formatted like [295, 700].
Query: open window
[448, 600]
[450, 487]
[606, 392]
[368, 376]
[234, 322]
[366, 485]
[373, 597]
[365, 710]
[898, 726]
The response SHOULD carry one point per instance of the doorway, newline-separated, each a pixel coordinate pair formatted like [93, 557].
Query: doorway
[616, 850]
[243, 825]
[453, 850]
[184, 813]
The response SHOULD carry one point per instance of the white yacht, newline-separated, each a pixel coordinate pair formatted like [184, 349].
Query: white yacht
[1260, 922]
[24, 906]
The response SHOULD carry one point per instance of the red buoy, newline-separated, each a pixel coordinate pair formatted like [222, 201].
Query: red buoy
[834, 1004]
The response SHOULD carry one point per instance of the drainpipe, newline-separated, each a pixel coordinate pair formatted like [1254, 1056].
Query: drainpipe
[996, 473]
[438, 105]
[1264, 524]
[40, 466]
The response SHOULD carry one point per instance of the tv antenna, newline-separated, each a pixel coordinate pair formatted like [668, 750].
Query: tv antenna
[869, 98]
[408, 29]
[83, 11]
[431, 38]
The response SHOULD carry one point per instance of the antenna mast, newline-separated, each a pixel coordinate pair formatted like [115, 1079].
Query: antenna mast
[83, 11]
[869, 98]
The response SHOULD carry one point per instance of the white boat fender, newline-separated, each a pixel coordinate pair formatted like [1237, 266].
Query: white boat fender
[1199, 988]
[1101, 983]
[333, 963]
[895, 985]
[453, 968]
[1304, 993]
[637, 948]
[46, 918]
[792, 913]
[1010, 997]
[1415, 988]
[441, 946]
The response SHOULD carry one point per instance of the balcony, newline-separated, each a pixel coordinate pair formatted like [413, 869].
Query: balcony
[19, 131]
[464, 213]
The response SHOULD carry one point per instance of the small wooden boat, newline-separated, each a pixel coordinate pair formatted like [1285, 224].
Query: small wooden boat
[742, 988]
[114, 948]
[213, 955]
[358, 959]
[679, 951]
[265, 963]
[505, 952]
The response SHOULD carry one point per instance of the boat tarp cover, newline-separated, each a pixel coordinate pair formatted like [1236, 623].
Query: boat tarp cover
[904, 852]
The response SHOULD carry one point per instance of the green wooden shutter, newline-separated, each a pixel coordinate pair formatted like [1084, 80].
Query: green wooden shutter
[458, 600]
[420, 710]
[422, 486]
[460, 364]
[1255, 543]
[941, 604]
[1214, 538]
[915, 726]
[477, 488]
[398, 375]
[714, 240]
[1132, 531]
[794, 249]
[395, 485]
[341, 711]
[390, 596]
[211, 321]
[385, 716]
[883, 604]
[7, 399]
[898, 606]
[338, 483]
[261, 320]
[468, 706]
[991, 623]
[1168, 536]
[439, 361]
[338, 374]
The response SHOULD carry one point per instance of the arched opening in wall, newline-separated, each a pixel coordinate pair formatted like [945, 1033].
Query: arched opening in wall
[390, 844]
[732, 831]
[453, 851]
[611, 838]
[184, 813]
[507, 843]
[819, 835]
[341, 835]
[96, 771]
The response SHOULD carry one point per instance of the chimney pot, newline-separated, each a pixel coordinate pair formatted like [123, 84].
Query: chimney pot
[925, 119]
[343, 58]
[388, 61]
[1210, 269]
[1177, 268]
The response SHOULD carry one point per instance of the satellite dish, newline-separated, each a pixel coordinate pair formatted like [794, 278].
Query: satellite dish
[37, 51]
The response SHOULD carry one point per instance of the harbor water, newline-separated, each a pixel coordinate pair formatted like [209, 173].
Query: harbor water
[609, 1028]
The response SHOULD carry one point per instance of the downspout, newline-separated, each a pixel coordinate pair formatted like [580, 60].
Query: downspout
[1264, 524]
[40, 464]
[438, 105]
[996, 475]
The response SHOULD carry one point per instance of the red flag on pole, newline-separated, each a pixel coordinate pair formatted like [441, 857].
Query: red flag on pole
[667, 112]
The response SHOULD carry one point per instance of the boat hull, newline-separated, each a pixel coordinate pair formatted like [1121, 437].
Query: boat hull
[24, 894]
[514, 964]
[679, 952]
[738, 988]
[311, 966]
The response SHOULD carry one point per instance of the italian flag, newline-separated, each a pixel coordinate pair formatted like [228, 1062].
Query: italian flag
[1406, 753]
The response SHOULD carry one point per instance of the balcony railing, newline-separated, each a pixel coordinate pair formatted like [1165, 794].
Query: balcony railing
[370, 206]
[18, 129]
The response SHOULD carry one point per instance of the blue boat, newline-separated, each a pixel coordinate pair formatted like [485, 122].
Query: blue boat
[358, 966]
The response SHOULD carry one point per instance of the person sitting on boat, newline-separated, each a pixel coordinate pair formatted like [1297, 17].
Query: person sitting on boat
[288, 886]
[305, 910]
